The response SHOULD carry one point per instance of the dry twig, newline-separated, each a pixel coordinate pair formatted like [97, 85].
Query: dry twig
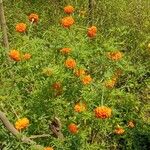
[3, 26]
[17, 134]
[55, 127]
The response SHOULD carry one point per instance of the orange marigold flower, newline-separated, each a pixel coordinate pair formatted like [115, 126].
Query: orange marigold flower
[26, 56]
[119, 130]
[69, 9]
[48, 148]
[110, 83]
[21, 27]
[86, 79]
[65, 50]
[73, 128]
[70, 63]
[33, 17]
[57, 86]
[102, 112]
[67, 22]
[92, 31]
[79, 72]
[117, 55]
[80, 107]
[131, 124]
[15, 55]
[22, 123]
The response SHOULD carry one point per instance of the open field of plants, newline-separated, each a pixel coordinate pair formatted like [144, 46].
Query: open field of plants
[75, 75]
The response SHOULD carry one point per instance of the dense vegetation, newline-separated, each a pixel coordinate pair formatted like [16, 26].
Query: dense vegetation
[98, 87]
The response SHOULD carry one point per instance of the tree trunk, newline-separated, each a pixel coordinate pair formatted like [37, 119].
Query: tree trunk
[3, 26]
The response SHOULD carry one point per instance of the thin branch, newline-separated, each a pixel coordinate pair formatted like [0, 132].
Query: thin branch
[39, 136]
[55, 127]
[3, 26]
[15, 132]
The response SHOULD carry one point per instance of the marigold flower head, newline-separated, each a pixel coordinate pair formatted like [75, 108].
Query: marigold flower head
[80, 107]
[21, 27]
[86, 79]
[73, 128]
[65, 50]
[149, 45]
[15, 55]
[48, 148]
[22, 123]
[110, 83]
[80, 72]
[69, 9]
[118, 72]
[57, 86]
[70, 63]
[47, 71]
[92, 31]
[119, 130]
[26, 56]
[33, 17]
[67, 22]
[117, 55]
[102, 112]
[131, 124]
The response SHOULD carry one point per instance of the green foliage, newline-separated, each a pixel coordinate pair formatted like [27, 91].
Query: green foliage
[27, 86]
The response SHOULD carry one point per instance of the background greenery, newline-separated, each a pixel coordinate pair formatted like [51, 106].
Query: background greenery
[25, 91]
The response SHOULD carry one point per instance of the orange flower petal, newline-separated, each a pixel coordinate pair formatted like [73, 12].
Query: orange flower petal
[21, 27]
[70, 63]
[21, 123]
[69, 9]
[73, 128]
[67, 22]
[102, 112]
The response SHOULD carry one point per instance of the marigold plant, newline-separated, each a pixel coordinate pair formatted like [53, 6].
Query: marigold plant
[80, 107]
[119, 130]
[67, 22]
[110, 83]
[65, 50]
[92, 31]
[103, 112]
[33, 18]
[86, 79]
[21, 27]
[117, 55]
[75, 76]
[47, 71]
[26, 56]
[70, 63]
[14, 55]
[22, 123]
[57, 86]
[131, 124]
[69, 9]
[73, 128]
[79, 72]
[48, 148]
[118, 72]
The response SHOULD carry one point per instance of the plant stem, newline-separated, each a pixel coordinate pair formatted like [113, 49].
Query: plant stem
[3, 26]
